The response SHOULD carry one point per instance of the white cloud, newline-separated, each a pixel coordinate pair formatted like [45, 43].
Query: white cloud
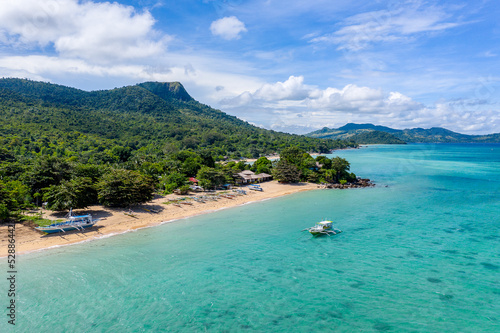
[291, 89]
[390, 25]
[228, 28]
[350, 98]
[100, 32]
[293, 106]
[294, 93]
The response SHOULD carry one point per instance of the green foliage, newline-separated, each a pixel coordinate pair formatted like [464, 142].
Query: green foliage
[191, 165]
[330, 176]
[5, 203]
[122, 188]
[106, 127]
[286, 172]
[262, 165]
[170, 182]
[211, 178]
[37, 219]
[183, 190]
[47, 171]
[340, 167]
[324, 161]
[75, 193]
[66, 145]
[92, 171]
[5, 212]
[293, 155]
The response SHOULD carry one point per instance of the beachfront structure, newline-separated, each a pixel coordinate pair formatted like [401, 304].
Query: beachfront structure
[248, 177]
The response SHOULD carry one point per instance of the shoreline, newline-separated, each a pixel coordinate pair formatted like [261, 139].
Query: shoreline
[116, 221]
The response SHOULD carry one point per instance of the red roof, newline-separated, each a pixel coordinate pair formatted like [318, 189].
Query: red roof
[194, 180]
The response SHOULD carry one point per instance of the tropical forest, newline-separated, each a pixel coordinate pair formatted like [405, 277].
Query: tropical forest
[67, 148]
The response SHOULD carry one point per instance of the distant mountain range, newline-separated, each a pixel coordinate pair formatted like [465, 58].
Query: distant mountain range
[374, 134]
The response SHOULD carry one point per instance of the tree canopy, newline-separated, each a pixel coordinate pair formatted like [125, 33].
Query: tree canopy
[72, 148]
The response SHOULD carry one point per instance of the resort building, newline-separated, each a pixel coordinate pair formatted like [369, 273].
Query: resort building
[248, 176]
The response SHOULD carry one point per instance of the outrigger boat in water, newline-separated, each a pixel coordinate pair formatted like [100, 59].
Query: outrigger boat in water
[323, 228]
[73, 223]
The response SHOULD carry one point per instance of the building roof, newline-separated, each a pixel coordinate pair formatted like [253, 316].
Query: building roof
[263, 175]
[246, 176]
[249, 175]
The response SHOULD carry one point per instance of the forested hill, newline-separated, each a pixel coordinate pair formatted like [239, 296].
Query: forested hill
[70, 148]
[369, 133]
[153, 118]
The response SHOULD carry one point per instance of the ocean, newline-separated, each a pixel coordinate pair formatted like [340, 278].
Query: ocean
[419, 252]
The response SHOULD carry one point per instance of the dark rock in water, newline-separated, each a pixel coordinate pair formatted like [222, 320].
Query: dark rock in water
[487, 265]
[414, 254]
[445, 297]
[348, 305]
[450, 251]
[359, 183]
[434, 280]
[491, 237]
[382, 327]
[357, 284]
[335, 314]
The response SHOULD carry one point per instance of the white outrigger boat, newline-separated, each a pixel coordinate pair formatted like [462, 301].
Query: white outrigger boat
[323, 228]
[73, 223]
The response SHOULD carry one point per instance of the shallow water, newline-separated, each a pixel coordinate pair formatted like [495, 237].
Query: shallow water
[420, 252]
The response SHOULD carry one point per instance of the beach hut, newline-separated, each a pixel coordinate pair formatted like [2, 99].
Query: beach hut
[245, 177]
[248, 177]
[263, 177]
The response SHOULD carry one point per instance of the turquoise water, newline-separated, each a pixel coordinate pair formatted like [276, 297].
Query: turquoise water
[419, 253]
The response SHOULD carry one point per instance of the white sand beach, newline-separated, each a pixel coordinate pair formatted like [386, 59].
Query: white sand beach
[119, 220]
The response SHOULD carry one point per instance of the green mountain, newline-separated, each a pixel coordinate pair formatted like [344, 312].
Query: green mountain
[371, 134]
[360, 134]
[150, 118]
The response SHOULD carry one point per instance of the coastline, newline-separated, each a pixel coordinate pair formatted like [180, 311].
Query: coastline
[114, 221]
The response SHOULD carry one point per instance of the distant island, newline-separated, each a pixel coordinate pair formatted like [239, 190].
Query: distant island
[375, 134]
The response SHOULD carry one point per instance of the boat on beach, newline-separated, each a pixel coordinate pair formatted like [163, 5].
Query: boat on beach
[255, 187]
[323, 228]
[73, 223]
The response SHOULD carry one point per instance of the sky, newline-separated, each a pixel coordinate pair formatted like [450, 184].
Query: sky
[293, 66]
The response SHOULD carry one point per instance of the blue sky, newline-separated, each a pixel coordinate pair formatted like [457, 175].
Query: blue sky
[292, 66]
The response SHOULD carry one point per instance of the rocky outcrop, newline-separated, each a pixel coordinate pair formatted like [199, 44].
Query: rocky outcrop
[360, 182]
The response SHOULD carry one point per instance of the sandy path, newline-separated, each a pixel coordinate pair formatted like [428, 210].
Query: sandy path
[115, 221]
